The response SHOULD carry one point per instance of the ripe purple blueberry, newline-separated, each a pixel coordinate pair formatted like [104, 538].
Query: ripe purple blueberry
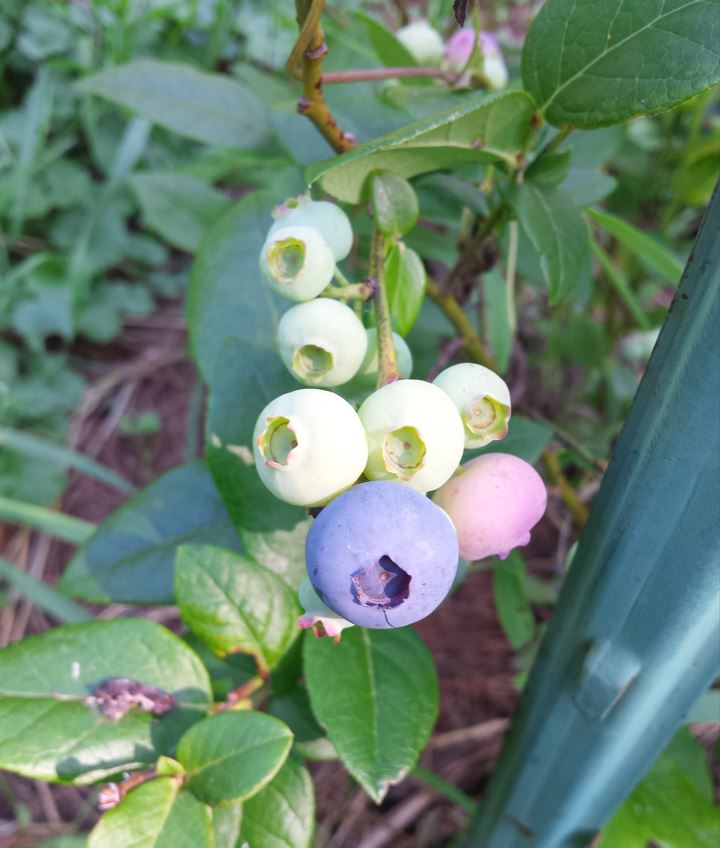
[382, 555]
[494, 503]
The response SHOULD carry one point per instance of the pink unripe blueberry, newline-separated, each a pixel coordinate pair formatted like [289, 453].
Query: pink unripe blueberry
[459, 49]
[494, 502]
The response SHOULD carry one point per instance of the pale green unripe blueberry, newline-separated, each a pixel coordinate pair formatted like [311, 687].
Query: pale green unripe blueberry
[423, 41]
[309, 446]
[367, 375]
[330, 220]
[414, 432]
[322, 342]
[481, 397]
[297, 262]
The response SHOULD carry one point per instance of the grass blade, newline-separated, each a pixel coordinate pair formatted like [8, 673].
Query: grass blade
[44, 597]
[39, 448]
[57, 524]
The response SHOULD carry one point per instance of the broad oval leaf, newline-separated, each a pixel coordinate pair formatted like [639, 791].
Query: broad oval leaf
[232, 756]
[249, 375]
[282, 551]
[233, 318]
[205, 107]
[491, 127]
[282, 815]
[157, 814]
[177, 207]
[228, 297]
[376, 694]
[235, 605]
[395, 204]
[557, 231]
[405, 280]
[48, 732]
[590, 63]
[130, 558]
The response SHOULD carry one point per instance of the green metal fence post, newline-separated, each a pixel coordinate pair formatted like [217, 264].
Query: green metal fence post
[635, 638]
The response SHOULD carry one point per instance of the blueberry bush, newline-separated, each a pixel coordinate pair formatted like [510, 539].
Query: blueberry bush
[392, 226]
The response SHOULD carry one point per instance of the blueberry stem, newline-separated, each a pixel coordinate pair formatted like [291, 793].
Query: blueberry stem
[350, 291]
[305, 63]
[387, 356]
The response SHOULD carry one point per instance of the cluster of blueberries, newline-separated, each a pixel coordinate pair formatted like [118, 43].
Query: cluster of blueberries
[380, 553]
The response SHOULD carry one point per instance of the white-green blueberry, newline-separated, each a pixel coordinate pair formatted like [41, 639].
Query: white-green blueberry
[317, 616]
[322, 342]
[414, 432]
[297, 262]
[481, 397]
[422, 41]
[309, 446]
[330, 220]
[367, 374]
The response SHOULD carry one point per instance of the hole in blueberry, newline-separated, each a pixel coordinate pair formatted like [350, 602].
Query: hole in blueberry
[404, 452]
[278, 441]
[311, 362]
[382, 584]
[286, 258]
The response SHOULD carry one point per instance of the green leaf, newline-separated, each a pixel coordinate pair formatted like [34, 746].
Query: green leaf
[622, 286]
[497, 322]
[526, 439]
[653, 254]
[248, 377]
[234, 604]
[282, 815]
[232, 756]
[405, 280]
[42, 595]
[584, 186]
[490, 128]
[511, 602]
[589, 64]
[557, 231]
[47, 732]
[394, 202]
[667, 807]
[376, 694]
[228, 298]
[227, 819]
[549, 170]
[201, 106]
[282, 551]
[178, 208]
[50, 521]
[130, 558]
[157, 814]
